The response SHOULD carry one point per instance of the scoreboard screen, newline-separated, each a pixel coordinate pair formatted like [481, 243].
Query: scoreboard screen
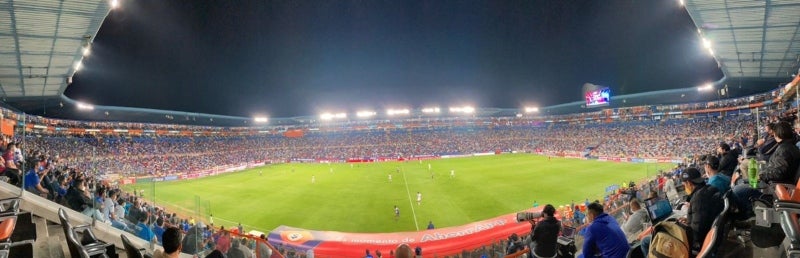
[598, 97]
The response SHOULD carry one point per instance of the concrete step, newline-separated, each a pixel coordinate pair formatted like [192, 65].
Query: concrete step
[40, 246]
[57, 246]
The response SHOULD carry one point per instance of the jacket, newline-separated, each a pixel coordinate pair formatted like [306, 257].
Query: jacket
[705, 204]
[728, 163]
[545, 235]
[604, 236]
[782, 165]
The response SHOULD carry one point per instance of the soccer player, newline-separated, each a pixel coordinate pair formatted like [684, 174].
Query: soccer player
[390, 178]
[331, 169]
[452, 173]
[396, 213]
[313, 179]
[419, 198]
[260, 173]
[429, 166]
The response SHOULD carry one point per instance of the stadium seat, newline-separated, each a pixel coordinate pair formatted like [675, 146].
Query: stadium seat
[92, 248]
[716, 235]
[9, 247]
[131, 250]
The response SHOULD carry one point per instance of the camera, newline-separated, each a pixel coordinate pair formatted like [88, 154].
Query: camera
[528, 216]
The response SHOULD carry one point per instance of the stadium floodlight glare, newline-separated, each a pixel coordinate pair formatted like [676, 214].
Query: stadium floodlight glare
[711, 52]
[114, 4]
[364, 114]
[260, 119]
[431, 110]
[464, 109]
[330, 116]
[531, 109]
[392, 112]
[706, 87]
[78, 66]
[84, 106]
[681, 2]
[86, 51]
[706, 43]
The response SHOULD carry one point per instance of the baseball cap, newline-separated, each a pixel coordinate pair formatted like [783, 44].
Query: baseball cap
[692, 175]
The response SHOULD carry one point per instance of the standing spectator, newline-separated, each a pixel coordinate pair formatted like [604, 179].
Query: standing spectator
[263, 250]
[430, 225]
[603, 236]
[224, 242]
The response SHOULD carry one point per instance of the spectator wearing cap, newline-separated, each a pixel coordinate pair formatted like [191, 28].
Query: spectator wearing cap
[705, 204]
[727, 159]
[781, 167]
[545, 234]
[716, 179]
[603, 236]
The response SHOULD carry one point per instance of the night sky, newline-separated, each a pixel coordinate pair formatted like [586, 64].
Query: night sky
[292, 58]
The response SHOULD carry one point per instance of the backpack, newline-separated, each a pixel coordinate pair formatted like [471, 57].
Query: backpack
[669, 241]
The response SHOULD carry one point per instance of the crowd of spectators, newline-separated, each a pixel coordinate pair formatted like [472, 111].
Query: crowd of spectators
[65, 169]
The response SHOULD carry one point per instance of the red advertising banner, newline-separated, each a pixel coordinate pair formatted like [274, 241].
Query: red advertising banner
[444, 241]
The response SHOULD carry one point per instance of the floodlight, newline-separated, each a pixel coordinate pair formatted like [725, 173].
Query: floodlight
[392, 112]
[519, 115]
[431, 110]
[326, 116]
[86, 51]
[260, 119]
[114, 4]
[711, 51]
[464, 109]
[84, 106]
[681, 2]
[78, 66]
[706, 87]
[706, 43]
[531, 109]
[363, 114]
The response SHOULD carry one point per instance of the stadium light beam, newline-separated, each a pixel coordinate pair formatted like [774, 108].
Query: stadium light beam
[431, 110]
[706, 87]
[260, 119]
[392, 112]
[330, 116]
[464, 110]
[681, 2]
[86, 51]
[114, 4]
[531, 109]
[706, 43]
[78, 66]
[84, 106]
[365, 114]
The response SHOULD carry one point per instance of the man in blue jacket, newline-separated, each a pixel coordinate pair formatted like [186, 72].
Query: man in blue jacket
[603, 236]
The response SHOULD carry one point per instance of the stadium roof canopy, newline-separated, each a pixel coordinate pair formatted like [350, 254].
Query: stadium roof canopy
[41, 43]
[750, 39]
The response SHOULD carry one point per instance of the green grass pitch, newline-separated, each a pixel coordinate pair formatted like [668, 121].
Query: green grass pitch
[361, 198]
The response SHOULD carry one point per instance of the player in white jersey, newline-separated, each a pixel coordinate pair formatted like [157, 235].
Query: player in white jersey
[419, 198]
[396, 213]
[390, 178]
[452, 173]
[313, 179]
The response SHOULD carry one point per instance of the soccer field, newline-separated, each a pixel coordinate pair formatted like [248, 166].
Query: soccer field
[361, 198]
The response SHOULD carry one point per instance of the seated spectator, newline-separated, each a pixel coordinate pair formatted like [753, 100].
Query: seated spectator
[781, 167]
[158, 229]
[727, 160]
[635, 222]
[544, 237]
[716, 179]
[705, 204]
[234, 251]
[171, 243]
[603, 236]
[144, 231]
[514, 244]
[194, 243]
